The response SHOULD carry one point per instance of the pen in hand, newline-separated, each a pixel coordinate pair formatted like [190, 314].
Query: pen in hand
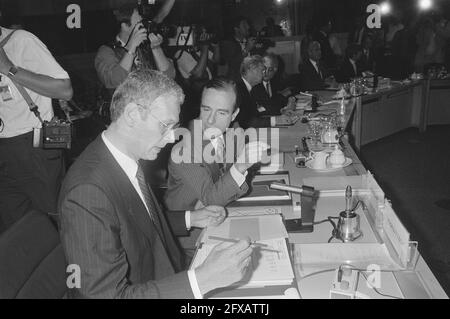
[229, 240]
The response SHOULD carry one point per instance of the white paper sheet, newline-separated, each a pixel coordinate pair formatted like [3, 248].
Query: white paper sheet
[267, 267]
[256, 228]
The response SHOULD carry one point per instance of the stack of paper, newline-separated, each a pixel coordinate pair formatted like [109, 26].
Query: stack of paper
[268, 268]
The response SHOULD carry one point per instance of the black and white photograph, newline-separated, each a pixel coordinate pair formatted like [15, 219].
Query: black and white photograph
[224, 155]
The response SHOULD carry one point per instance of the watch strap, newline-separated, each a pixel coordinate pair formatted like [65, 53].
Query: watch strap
[13, 71]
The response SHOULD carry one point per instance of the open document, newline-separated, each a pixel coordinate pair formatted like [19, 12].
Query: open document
[271, 264]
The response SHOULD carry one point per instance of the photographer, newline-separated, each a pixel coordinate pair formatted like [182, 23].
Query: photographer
[196, 65]
[29, 177]
[133, 48]
[236, 47]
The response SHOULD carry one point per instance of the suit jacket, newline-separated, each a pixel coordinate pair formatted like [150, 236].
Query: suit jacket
[192, 182]
[249, 116]
[107, 231]
[310, 80]
[328, 56]
[273, 104]
[367, 63]
[347, 72]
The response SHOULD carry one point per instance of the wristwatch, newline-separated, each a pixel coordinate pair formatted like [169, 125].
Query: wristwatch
[13, 71]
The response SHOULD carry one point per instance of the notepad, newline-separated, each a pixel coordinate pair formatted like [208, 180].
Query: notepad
[267, 268]
[255, 228]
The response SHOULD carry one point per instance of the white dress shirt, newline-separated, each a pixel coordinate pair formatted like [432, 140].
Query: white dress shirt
[235, 174]
[273, 119]
[355, 70]
[130, 168]
[314, 63]
[268, 87]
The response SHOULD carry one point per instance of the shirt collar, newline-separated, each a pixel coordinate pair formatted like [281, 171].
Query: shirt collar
[215, 141]
[248, 86]
[128, 165]
[313, 62]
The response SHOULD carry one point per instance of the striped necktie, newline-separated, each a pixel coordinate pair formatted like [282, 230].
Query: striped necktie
[268, 88]
[150, 200]
[220, 155]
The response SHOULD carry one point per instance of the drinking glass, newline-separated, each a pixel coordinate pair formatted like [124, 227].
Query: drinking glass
[315, 131]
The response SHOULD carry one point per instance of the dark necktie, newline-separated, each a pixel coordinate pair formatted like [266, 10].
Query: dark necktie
[151, 202]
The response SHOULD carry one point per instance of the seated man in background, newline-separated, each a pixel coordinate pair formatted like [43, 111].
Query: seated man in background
[269, 92]
[133, 48]
[350, 68]
[113, 228]
[192, 185]
[368, 59]
[252, 114]
[312, 73]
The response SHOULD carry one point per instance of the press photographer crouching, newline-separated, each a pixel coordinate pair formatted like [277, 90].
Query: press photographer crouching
[30, 176]
[137, 46]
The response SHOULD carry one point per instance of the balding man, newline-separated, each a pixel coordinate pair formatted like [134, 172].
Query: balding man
[253, 114]
[269, 92]
[312, 74]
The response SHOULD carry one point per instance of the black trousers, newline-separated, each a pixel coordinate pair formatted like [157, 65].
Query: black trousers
[30, 178]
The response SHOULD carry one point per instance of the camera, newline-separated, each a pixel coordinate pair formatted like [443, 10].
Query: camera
[56, 134]
[146, 11]
[191, 35]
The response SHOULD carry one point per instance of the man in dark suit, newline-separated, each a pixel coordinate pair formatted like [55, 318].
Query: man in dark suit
[321, 35]
[368, 58]
[252, 72]
[111, 224]
[269, 92]
[312, 73]
[222, 179]
[350, 68]
[251, 113]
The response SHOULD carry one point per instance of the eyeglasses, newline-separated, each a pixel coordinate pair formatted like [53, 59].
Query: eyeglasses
[167, 127]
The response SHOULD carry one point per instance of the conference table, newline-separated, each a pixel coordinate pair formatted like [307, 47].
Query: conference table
[365, 119]
[416, 282]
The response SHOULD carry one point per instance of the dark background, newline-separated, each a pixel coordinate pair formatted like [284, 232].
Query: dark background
[47, 18]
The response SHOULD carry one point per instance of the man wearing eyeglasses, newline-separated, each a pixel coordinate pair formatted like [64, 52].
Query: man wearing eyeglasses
[112, 226]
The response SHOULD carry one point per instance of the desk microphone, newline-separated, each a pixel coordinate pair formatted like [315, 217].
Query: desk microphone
[307, 201]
